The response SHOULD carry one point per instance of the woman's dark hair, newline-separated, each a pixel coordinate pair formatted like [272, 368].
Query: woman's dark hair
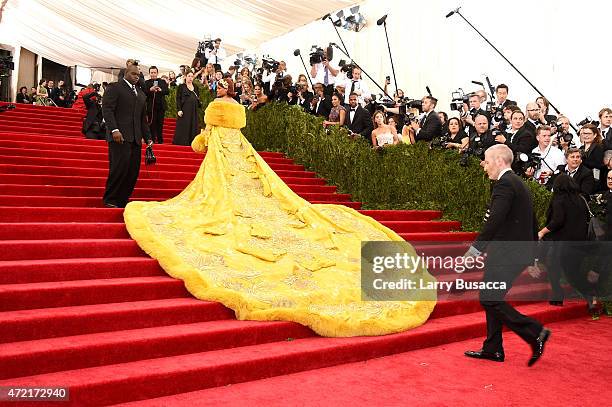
[445, 117]
[564, 184]
[40, 82]
[195, 62]
[22, 88]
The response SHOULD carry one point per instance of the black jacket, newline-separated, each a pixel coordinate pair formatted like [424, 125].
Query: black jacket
[524, 141]
[567, 218]
[510, 219]
[323, 109]
[160, 97]
[583, 177]
[362, 122]
[125, 111]
[430, 128]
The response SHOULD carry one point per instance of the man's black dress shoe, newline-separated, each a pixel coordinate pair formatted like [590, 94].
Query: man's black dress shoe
[556, 303]
[481, 354]
[538, 347]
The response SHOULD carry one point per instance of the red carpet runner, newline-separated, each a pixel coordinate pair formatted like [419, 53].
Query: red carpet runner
[82, 306]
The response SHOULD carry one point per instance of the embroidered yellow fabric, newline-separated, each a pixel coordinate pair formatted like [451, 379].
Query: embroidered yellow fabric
[238, 235]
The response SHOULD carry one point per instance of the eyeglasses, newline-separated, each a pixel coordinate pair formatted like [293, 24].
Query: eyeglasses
[533, 110]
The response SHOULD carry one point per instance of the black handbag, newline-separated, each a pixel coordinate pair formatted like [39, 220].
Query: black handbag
[597, 228]
[150, 156]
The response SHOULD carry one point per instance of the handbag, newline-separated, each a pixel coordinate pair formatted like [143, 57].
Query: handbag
[597, 228]
[150, 156]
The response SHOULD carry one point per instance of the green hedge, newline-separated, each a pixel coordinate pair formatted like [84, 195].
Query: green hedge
[398, 177]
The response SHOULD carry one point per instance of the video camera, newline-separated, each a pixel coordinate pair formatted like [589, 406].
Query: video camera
[317, 55]
[347, 68]
[6, 65]
[269, 64]
[204, 45]
[459, 97]
[525, 161]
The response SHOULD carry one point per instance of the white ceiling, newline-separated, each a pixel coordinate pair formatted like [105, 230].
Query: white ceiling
[156, 32]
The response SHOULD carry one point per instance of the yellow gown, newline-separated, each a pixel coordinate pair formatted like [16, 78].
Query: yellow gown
[239, 235]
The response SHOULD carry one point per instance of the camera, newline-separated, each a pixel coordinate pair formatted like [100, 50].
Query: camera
[5, 108]
[347, 68]
[587, 120]
[269, 64]
[475, 148]
[440, 142]
[458, 99]
[528, 160]
[317, 55]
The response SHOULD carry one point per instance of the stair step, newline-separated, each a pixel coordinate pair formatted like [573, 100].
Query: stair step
[38, 271]
[107, 348]
[68, 249]
[172, 375]
[34, 324]
[87, 292]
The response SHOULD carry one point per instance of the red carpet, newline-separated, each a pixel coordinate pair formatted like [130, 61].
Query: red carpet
[82, 306]
[440, 376]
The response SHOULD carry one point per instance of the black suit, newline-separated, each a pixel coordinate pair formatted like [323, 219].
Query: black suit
[361, 123]
[431, 127]
[510, 219]
[323, 108]
[125, 111]
[523, 141]
[156, 108]
[583, 177]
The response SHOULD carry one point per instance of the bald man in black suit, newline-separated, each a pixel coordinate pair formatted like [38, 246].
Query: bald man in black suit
[508, 237]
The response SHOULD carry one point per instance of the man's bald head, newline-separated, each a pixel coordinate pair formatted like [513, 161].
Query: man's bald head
[533, 111]
[481, 123]
[497, 158]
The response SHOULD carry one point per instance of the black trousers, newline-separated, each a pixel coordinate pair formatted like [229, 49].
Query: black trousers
[156, 119]
[500, 313]
[124, 165]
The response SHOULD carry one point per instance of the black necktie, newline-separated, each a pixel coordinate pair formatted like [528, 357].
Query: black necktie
[353, 86]
[423, 120]
[134, 89]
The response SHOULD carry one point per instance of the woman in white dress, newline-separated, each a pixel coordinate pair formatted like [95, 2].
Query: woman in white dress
[383, 134]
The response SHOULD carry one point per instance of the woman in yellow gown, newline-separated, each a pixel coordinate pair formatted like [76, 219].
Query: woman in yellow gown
[238, 235]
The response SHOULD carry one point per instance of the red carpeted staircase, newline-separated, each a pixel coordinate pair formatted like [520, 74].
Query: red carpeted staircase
[82, 306]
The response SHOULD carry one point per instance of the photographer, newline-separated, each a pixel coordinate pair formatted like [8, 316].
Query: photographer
[545, 118]
[501, 94]
[455, 135]
[519, 138]
[481, 138]
[304, 96]
[430, 125]
[215, 55]
[574, 168]
[358, 86]
[23, 97]
[320, 105]
[533, 117]
[325, 73]
[471, 111]
[156, 91]
[551, 157]
[563, 137]
[271, 77]
[93, 126]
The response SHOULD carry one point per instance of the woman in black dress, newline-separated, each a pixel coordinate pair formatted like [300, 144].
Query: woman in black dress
[187, 104]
